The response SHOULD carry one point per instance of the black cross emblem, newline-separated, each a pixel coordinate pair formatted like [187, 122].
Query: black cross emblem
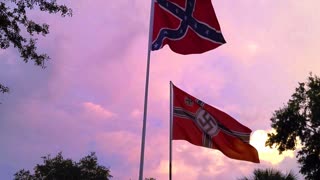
[188, 101]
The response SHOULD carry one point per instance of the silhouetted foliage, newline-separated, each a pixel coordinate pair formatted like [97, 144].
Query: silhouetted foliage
[3, 89]
[59, 168]
[298, 120]
[13, 17]
[270, 174]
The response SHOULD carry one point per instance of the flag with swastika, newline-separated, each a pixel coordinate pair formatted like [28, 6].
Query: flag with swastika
[204, 125]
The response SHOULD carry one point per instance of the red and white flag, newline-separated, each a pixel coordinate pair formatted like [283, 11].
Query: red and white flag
[187, 26]
[204, 125]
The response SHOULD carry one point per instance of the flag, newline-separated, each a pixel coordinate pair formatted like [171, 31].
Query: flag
[187, 26]
[203, 125]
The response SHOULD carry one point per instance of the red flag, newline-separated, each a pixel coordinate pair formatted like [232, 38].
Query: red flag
[187, 26]
[204, 125]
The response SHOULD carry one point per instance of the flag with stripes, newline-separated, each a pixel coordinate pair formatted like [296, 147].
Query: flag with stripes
[187, 26]
[204, 125]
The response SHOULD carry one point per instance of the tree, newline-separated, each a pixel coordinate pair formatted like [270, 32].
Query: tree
[270, 174]
[13, 17]
[4, 89]
[59, 168]
[299, 121]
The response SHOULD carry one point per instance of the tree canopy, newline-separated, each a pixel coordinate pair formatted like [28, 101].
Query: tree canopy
[4, 89]
[18, 30]
[299, 121]
[270, 174]
[59, 168]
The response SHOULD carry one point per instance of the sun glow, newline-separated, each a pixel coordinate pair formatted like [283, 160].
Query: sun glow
[258, 140]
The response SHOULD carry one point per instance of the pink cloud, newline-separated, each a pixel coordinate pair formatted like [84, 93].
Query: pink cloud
[98, 110]
[90, 98]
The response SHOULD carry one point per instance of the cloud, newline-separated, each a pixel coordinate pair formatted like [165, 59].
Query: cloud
[179, 170]
[136, 113]
[90, 97]
[268, 154]
[121, 149]
[98, 110]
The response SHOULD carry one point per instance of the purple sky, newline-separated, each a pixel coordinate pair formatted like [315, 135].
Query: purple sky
[90, 96]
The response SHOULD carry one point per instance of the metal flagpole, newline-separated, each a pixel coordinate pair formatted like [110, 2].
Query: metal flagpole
[146, 92]
[170, 131]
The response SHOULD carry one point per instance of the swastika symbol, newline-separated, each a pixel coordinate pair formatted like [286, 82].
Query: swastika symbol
[207, 123]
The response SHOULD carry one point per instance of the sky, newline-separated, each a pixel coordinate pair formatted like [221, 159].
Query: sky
[90, 96]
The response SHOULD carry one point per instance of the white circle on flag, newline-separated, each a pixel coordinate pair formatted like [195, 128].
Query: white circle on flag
[207, 123]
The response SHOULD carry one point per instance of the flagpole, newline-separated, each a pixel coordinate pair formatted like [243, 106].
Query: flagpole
[146, 92]
[170, 131]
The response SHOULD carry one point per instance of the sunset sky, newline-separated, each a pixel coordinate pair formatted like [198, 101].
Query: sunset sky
[90, 97]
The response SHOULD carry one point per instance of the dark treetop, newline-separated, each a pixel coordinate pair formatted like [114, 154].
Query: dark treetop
[66, 169]
[14, 19]
[299, 120]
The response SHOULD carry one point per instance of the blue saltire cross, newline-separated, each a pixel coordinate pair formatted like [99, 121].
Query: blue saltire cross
[187, 21]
